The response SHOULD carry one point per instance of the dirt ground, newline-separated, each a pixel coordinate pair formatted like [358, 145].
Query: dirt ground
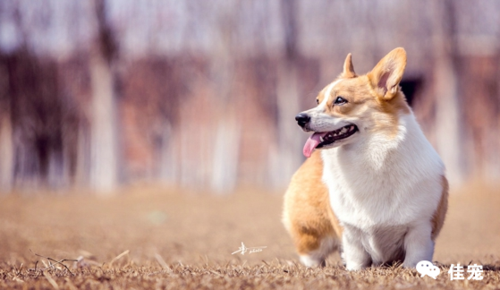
[152, 238]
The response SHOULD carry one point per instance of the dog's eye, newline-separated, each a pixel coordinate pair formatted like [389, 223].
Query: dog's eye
[340, 101]
[317, 101]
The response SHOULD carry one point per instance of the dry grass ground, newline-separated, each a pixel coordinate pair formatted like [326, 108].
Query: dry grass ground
[164, 239]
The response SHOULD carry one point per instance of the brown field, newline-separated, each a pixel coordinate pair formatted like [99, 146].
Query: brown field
[150, 238]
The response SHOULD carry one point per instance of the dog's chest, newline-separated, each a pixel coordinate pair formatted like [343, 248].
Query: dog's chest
[395, 191]
[365, 199]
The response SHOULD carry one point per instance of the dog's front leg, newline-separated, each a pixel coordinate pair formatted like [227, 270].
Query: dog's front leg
[354, 254]
[418, 245]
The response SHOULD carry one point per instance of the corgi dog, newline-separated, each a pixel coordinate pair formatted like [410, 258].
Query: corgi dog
[372, 187]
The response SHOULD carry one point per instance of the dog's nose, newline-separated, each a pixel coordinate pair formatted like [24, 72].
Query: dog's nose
[302, 119]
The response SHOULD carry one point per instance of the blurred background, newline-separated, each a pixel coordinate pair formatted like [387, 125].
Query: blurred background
[99, 94]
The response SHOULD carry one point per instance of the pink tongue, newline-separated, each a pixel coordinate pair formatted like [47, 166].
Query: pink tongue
[312, 143]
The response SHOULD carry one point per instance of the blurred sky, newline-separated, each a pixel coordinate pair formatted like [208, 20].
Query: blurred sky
[61, 26]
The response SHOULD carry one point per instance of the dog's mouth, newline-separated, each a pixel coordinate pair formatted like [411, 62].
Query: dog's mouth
[321, 139]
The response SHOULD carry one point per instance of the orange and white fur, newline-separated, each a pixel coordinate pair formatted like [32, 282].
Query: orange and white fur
[376, 189]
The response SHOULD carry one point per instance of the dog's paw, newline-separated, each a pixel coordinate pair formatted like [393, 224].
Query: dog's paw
[312, 262]
[354, 266]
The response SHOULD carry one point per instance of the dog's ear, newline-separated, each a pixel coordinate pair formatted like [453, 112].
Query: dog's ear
[387, 74]
[348, 68]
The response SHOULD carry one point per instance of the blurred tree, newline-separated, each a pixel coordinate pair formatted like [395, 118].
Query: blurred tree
[104, 132]
[288, 98]
[6, 153]
[35, 107]
[448, 122]
[6, 140]
[226, 137]
[212, 85]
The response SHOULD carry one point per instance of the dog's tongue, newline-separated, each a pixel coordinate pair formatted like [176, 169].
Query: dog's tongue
[312, 143]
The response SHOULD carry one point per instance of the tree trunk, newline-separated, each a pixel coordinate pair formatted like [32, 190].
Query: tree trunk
[288, 93]
[225, 157]
[82, 169]
[290, 140]
[168, 166]
[448, 125]
[103, 123]
[6, 154]
[223, 175]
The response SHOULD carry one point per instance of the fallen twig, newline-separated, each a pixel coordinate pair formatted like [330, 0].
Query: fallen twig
[60, 262]
[162, 262]
[118, 257]
[50, 279]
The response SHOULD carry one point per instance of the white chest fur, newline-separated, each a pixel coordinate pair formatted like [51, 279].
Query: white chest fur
[382, 180]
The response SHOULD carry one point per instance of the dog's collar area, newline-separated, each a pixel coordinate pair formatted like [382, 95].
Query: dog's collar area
[342, 133]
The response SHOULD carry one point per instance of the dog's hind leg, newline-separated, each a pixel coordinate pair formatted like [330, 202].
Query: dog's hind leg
[308, 216]
[314, 250]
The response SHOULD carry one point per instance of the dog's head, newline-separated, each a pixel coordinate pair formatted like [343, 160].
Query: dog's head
[354, 106]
